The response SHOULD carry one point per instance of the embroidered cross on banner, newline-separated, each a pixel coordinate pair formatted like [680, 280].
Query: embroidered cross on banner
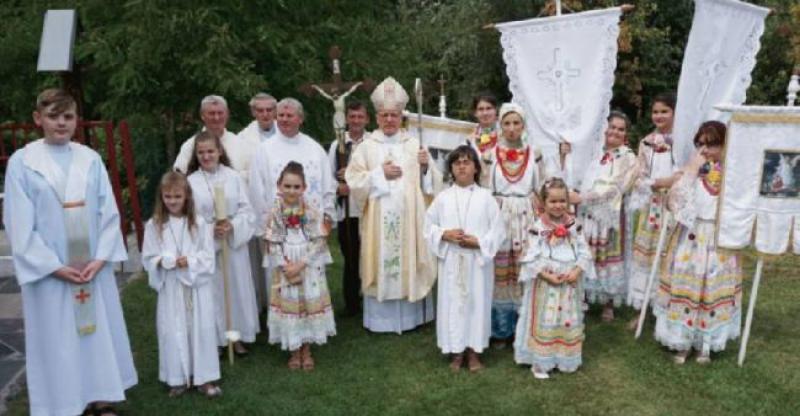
[557, 74]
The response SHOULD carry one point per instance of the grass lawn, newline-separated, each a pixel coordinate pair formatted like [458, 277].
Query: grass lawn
[362, 373]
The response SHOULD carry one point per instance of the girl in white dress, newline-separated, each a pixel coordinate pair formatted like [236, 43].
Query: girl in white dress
[300, 304]
[178, 254]
[209, 171]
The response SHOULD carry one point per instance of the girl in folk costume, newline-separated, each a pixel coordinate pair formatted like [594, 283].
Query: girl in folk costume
[699, 299]
[550, 330]
[209, 171]
[484, 138]
[178, 254]
[657, 172]
[465, 245]
[300, 304]
[513, 178]
[601, 211]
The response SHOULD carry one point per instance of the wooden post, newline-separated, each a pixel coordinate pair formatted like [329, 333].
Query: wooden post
[750, 310]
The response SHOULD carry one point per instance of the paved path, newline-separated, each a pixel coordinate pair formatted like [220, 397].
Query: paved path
[12, 335]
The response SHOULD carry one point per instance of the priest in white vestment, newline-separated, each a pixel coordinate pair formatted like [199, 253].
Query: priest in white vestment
[263, 108]
[464, 230]
[289, 144]
[61, 219]
[388, 176]
[214, 113]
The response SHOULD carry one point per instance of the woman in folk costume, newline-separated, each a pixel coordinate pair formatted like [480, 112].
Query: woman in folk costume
[178, 254]
[557, 261]
[62, 223]
[657, 173]
[601, 211]
[209, 170]
[465, 245]
[699, 299]
[514, 173]
[484, 138]
[300, 304]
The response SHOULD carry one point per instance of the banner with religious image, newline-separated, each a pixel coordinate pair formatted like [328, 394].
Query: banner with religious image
[719, 57]
[561, 71]
[760, 197]
[440, 134]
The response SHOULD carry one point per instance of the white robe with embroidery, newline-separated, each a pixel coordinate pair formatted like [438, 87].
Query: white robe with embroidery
[185, 313]
[66, 371]
[466, 276]
[397, 271]
[244, 310]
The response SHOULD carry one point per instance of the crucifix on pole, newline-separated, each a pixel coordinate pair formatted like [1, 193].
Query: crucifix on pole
[337, 92]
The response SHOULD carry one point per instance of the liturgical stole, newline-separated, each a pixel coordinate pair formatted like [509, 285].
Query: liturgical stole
[70, 189]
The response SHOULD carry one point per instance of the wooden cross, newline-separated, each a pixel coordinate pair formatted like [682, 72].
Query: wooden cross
[336, 86]
[82, 296]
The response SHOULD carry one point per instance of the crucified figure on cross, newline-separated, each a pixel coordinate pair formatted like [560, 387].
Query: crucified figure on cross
[338, 105]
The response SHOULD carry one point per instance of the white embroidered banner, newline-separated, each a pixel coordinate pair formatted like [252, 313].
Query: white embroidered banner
[561, 71]
[717, 62]
[761, 185]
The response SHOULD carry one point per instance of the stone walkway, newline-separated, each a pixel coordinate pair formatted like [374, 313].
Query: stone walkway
[12, 334]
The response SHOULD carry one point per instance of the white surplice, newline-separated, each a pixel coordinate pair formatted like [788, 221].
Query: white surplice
[244, 310]
[466, 276]
[185, 315]
[65, 371]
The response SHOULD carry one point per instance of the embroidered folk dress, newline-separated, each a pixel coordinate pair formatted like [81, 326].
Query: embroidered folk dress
[185, 311]
[656, 161]
[602, 213]
[466, 275]
[244, 309]
[513, 178]
[484, 141]
[550, 331]
[302, 313]
[699, 298]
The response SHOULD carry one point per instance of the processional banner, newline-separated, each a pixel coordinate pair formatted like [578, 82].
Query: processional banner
[719, 57]
[760, 198]
[561, 71]
[440, 134]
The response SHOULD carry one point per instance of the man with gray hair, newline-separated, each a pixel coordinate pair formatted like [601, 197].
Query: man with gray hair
[289, 144]
[262, 107]
[214, 113]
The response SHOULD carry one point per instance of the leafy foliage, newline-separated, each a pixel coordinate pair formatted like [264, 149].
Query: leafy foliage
[151, 61]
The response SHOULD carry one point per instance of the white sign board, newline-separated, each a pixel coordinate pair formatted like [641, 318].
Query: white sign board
[58, 37]
[760, 198]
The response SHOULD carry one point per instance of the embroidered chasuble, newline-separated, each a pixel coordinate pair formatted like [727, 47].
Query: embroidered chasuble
[395, 262]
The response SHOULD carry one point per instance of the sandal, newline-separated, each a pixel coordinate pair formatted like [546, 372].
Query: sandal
[295, 360]
[680, 357]
[176, 391]
[308, 360]
[210, 390]
[539, 374]
[240, 350]
[474, 362]
[608, 314]
[703, 359]
[457, 362]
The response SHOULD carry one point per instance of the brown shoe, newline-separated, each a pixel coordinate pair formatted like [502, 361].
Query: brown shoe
[474, 362]
[295, 360]
[608, 314]
[457, 362]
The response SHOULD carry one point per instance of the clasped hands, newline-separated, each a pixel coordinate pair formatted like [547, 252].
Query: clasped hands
[458, 236]
[85, 275]
[392, 171]
[570, 277]
[293, 271]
